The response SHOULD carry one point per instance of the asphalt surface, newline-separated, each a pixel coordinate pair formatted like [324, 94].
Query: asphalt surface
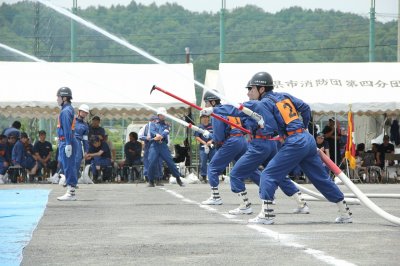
[131, 224]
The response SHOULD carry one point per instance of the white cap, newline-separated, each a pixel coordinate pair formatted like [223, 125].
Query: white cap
[161, 111]
[84, 107]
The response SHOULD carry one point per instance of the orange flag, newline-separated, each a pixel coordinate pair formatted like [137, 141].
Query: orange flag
[350, 145]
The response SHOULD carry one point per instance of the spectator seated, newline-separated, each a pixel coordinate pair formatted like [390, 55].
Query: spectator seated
[133, 158]
[42, 150]
[100, 160]
[22, 155]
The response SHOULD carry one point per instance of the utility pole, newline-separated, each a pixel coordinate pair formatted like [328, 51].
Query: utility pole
[187, 52]
[37, 29]
[222, 32]
[398, 33]
[73, 31]
[372, 32]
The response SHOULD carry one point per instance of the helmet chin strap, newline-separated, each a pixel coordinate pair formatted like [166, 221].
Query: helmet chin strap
[259, 93]
[63, 102]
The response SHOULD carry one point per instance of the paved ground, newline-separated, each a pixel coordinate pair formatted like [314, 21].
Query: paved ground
[130, 224]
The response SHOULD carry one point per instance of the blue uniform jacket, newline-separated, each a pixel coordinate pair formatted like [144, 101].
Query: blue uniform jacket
[82, 133]
[288, 115]
[221, 130]
[160, 128]
[66, 124]
[270, 126]
[144, 137]
[198, 134]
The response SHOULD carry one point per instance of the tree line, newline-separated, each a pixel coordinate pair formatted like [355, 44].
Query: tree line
[251, 35]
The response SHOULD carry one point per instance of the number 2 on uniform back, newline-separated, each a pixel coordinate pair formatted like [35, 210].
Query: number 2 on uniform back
[287, 110]
[235, 120]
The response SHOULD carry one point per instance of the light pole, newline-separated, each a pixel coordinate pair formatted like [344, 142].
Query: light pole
[73, 31]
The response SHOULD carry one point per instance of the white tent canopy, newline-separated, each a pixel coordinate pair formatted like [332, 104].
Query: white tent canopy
[111, 90]
[370, 88]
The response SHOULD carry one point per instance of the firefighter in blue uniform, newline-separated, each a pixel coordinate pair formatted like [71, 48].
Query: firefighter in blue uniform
[261, 149]
[159, 134]
[206, 145]
[81, 135]
[67, 143]
[231, 145]
[299, 148]
[144, 135]
[20, 156]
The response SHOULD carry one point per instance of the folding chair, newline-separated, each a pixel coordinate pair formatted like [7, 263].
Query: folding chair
[17, 174]
[374, 174]
[391, 166]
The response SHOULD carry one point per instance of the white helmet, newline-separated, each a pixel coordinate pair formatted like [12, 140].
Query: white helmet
[84, 107]
[161, 111]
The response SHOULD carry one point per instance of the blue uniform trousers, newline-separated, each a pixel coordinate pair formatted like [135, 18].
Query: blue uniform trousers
[158, 173]
[159, 151]
[68, 164]
[259, 152]
[146, 159]
[79, 156]
[204, 159]
[298, 149]
[99, 161]
[29, 162]
[231, 150]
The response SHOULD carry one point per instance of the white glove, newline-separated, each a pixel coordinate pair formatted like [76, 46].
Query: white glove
[261, 123]
[206, 134]
[166, 131]
[258, 118]
[68, 150]
[206, 149]
[207, 111]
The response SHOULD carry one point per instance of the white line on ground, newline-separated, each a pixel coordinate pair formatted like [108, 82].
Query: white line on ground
[284, 239]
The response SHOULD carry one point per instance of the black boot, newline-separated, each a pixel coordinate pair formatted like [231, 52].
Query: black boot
[179, 181]
[151, 184]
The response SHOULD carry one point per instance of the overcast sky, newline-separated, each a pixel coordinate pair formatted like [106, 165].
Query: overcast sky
[386, 9]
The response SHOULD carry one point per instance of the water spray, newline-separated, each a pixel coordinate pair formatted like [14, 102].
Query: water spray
[90, 25]
[8, 48]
